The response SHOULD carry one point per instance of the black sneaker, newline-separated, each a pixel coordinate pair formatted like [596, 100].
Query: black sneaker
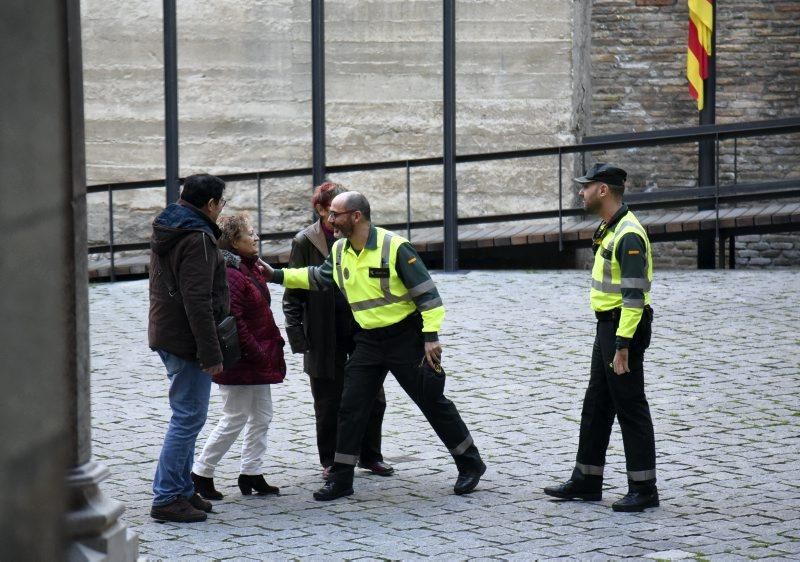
[179, 511]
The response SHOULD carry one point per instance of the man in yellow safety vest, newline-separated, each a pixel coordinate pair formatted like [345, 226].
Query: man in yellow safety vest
[396, 304]
[620, 298]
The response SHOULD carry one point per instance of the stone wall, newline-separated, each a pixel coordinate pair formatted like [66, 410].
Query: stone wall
[638, 57]
[752, 252]
[530, 73]
[245, 101]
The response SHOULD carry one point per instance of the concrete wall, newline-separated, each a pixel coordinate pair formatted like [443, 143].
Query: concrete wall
[245, 100]
[529, 73]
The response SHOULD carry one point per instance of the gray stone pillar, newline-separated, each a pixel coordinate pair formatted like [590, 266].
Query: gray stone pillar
[581, 122]
[45, 430]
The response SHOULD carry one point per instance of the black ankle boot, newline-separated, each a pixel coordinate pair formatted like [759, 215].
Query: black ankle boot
[578, 487]
[640, 496]
[333, 490]
[205, 487]
[248, 483]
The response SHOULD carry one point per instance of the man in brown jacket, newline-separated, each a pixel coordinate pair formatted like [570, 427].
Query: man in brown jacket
[188, 298]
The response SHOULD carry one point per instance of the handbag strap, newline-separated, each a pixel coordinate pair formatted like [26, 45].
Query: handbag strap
[261, 287]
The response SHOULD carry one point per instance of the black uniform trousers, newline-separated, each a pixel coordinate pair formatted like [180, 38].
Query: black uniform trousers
[609, 395]
[327, 395]
[399, 349]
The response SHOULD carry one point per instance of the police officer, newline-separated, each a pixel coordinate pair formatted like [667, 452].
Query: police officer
[399, 309]
[620, 297]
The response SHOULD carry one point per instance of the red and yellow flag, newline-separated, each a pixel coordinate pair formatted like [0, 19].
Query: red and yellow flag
[701, 24]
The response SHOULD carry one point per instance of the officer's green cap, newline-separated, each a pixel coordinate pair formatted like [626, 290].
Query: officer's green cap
[605, 173]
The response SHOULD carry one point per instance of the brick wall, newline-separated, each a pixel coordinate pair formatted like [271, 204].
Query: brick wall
[638, 58]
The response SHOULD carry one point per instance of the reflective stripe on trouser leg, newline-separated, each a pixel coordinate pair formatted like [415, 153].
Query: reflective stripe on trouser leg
[462, 447]
[642, 475]
[589, 470]
[342, 458]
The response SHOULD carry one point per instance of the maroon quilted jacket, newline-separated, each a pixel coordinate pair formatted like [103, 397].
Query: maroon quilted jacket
[259, 338]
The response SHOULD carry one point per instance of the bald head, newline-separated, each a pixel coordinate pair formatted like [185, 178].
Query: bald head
[353, 200]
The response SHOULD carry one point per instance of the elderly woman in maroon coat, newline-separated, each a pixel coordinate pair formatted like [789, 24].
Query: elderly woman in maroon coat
[245, 387]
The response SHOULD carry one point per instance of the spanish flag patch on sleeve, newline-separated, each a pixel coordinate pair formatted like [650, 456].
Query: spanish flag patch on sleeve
[411, 260]
[633, 252]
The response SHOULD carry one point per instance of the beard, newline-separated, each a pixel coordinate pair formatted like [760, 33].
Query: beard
[343, 230]
[591, 206]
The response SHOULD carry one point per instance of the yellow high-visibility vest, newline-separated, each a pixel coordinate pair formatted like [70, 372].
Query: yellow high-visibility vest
[607, 280]
[369, 281]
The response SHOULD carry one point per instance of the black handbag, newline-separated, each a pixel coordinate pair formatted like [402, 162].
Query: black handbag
[228, 337]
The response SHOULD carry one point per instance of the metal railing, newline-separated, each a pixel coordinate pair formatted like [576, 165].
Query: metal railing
[662, 199]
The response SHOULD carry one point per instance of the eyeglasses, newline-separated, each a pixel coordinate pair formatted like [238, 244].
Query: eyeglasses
[222, 202]
[333, 214]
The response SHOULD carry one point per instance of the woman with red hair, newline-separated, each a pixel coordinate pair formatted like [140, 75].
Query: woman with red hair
[320, 325]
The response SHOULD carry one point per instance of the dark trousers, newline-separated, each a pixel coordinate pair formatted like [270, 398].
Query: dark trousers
[398, 349]
[327, 395]
[609, 395]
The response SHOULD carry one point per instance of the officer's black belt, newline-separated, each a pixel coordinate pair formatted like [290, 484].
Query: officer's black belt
[610, 315]
[412, 320]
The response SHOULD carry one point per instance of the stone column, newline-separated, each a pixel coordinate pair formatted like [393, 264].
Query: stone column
[45, 429]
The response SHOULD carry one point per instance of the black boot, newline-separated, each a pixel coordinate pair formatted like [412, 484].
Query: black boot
[248, 483]
[470, 469]
[339, 484]
[640, 496]
[578, 487]
[205, 487]
[333, 490]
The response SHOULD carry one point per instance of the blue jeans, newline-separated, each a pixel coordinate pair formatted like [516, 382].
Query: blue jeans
[189, 392]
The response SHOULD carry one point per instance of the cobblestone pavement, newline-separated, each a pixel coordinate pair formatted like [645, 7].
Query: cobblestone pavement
[722, 377]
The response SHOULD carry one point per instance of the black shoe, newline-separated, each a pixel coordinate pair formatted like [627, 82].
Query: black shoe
[205, 487]
[332, 490]
[179, 511]
[199, 503]
[377, 467]
[468, 479]
[249, 483]
[637, 500]
[576, 490]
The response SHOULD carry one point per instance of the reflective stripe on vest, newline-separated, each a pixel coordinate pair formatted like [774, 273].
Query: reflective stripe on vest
[395, 306]
[607, 291]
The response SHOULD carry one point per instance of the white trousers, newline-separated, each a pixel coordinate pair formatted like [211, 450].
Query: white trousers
[243, 406]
